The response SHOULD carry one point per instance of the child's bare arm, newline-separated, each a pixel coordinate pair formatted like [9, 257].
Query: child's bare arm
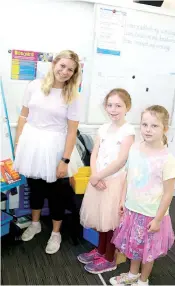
[166, 198]
[94, 155]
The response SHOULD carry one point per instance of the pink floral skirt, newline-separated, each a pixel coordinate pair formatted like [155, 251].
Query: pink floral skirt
[133, 239]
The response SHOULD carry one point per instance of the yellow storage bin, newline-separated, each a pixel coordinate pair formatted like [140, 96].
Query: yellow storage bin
[81, 180]
[83, 172]
[81, 185]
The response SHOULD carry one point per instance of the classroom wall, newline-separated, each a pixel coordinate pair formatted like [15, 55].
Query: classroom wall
[40, 25]
[44, 25]
[169, 4]
[56, 27]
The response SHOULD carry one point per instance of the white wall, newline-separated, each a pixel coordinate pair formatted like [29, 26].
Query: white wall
[169, 4]
[49, 26]
[40, 25]
[44, 26]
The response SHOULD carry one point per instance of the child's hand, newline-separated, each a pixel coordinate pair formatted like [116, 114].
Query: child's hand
[154, 226]
[94, 179]
[121, 208]
[101, 185]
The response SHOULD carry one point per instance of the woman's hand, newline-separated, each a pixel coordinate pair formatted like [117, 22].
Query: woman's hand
[62, 170]
[154, 226]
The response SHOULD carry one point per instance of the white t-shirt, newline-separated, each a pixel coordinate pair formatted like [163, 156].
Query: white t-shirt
[49, 112]
[110, 144]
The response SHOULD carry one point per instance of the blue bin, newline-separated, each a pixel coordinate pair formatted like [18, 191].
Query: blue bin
[5, 223]
[91, 235]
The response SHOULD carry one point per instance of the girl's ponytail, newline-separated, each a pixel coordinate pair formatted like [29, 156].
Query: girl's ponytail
[165, 140]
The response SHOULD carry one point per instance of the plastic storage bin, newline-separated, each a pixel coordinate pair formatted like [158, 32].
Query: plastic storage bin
[84, 172]
[81, 180]
[5, 223]
[91, 235]
[24, 203]
[81, 185]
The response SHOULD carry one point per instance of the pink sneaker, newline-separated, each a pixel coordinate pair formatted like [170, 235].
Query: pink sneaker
[89, 256]
[100, 265]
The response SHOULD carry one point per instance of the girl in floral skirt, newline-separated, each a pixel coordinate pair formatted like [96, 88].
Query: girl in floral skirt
[145, 232]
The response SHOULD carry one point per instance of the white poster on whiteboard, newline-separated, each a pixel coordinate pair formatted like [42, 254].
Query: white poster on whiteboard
[110, 31]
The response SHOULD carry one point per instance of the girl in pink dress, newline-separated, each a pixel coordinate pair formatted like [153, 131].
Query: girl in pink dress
[100, 206]
[145, 232]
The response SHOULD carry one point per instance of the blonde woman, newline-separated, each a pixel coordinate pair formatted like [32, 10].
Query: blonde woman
[45, 140]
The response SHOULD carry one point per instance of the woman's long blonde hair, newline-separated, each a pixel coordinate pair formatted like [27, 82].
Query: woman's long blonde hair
[70, 89]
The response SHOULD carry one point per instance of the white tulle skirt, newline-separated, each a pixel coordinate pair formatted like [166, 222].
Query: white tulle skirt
[39, 152]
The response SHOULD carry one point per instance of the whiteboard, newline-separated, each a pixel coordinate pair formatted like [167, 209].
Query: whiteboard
[135, 56]
[41, 35]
